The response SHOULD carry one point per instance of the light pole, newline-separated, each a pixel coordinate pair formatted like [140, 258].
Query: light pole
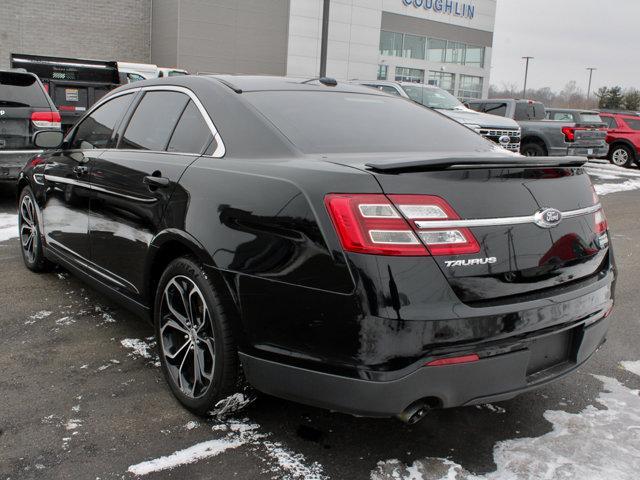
[591, 69]
[325, 39]
[526, 75]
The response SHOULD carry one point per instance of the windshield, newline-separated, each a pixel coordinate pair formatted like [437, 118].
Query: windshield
[341, 122]
[432, 97]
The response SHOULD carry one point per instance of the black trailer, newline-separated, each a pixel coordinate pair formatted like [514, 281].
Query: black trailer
[73, 84]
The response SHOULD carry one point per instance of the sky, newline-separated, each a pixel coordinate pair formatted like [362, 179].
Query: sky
[566, 37]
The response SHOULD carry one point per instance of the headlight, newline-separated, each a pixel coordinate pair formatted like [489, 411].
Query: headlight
[473, 126]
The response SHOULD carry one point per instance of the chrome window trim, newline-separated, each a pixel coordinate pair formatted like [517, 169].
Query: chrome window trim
[495, 222]
[92, 186]
[220, 150]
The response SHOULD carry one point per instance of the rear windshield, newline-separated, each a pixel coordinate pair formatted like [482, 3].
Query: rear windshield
[20, 90]
[590, 118]
[338, 122]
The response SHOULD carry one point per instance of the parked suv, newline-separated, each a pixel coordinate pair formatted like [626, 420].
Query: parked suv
[503, 131]
[348, 249]
[623, 137]
[25, 108]
[541, 137]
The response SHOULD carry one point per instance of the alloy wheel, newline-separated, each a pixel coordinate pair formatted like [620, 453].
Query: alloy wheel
[187, 337]
[28, 228]
[620, 157]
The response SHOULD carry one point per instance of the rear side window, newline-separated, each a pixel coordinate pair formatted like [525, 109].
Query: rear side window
[591, 118]
[153, 121]
[530, 111]
[610, 122]
[633, 123]
[21, 90]
[561, 116]
[341, 122]
[96, 130]
[192, 134]
[499, 109]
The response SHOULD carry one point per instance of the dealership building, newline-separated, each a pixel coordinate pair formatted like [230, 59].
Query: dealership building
[441, 42]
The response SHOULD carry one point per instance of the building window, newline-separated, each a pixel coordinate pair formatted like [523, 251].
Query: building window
[455, 53]
[436, 50]
[391, 44]
[444, 80]
[413, 46]
[474, 56]
[470, 87]
[413, 75]
[383, 72]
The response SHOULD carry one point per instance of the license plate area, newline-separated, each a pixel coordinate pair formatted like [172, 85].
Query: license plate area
[549, 352]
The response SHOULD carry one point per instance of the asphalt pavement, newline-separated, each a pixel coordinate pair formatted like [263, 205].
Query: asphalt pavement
[82, 397]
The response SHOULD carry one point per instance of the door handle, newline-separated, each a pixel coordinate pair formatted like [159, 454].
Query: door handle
[80, 170]
[154, 181]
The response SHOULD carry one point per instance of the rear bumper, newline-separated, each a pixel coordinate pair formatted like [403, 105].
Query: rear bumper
[580, 151]
[493, 378]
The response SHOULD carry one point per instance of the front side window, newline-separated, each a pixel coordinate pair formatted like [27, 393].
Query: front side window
[413, 75]
[96, 130]
[191, 134]
[432, 97]
[153, 121]
[470, 87]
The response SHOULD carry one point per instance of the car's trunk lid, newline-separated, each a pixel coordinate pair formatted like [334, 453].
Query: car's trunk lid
[517, 258]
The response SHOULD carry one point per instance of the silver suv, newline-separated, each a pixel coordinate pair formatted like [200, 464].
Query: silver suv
[503, 131]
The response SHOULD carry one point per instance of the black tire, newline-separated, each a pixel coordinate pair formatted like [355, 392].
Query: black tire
[30, 236]
[621, 156]
[174, 325]
[532, 149]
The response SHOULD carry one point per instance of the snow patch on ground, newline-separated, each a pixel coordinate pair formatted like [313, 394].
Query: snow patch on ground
[491, 408]
[633, 367]
[283, 463]
[192, 454]
[139, 348]
[607, 188]
[594, 444]
[37, 316]
[232, 404]
[8, 226]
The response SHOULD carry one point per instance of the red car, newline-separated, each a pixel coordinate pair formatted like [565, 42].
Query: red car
[623, 136]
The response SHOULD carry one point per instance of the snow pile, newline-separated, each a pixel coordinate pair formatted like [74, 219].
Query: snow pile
[290, 465]
[591, 445]
[633, 367]
[8, 226]
[607, 188]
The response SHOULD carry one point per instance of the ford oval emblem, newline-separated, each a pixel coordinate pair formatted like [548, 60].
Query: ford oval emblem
[548, 218]
[504, 140]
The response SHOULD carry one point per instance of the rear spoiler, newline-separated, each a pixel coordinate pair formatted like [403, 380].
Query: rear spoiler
[474, 162]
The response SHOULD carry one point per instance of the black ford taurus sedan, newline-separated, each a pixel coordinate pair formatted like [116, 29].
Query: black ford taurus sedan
[342, 247]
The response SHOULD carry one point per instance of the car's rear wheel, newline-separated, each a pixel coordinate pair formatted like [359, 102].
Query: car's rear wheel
[29, 229]
[532, 149]
[196, 347]
[621, 155]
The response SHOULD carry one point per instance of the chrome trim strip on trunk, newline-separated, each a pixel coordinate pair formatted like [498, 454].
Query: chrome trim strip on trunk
[495, 222]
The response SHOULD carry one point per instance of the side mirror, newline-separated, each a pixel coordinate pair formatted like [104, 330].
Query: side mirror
[48, 140]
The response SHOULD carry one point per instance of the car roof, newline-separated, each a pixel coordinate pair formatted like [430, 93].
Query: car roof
[572, 110]
[256, 83]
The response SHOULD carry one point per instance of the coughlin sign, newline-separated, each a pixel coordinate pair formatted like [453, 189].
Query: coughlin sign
[449, 7]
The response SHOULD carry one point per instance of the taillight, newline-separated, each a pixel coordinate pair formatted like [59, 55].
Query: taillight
[569, 134]
[46, 119]
[380, 225]
[370, 224]
[601, 220]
